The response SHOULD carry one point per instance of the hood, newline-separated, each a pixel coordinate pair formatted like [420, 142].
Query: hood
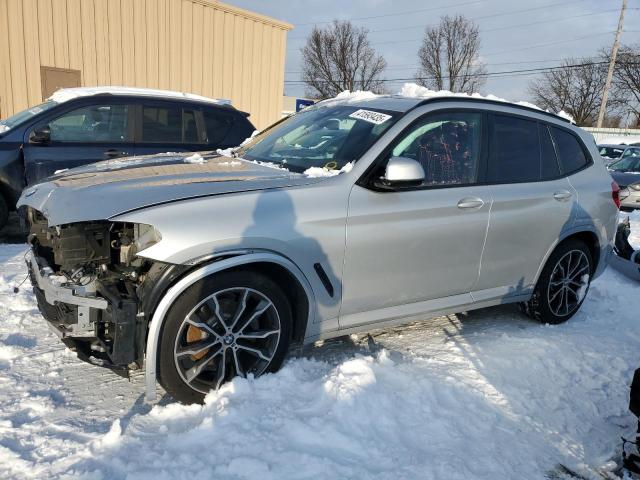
[624, 179]
[105, 189]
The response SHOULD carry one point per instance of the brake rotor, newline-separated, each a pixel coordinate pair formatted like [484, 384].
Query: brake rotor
[194, 334]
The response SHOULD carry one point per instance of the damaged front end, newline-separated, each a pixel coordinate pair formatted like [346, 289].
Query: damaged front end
[93, 289]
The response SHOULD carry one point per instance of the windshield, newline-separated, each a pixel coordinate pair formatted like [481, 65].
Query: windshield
[627, 164]
[611, 152]
[327, 137]
[20, 117]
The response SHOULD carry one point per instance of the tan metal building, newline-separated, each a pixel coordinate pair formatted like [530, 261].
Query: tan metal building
[198, 46]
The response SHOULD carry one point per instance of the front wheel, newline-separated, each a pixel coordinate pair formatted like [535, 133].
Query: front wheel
[563, 283]
[231, 324]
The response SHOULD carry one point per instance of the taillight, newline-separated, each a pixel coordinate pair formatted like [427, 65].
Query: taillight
[615, 193]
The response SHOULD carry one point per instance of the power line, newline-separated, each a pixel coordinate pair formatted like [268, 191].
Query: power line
[500, 74]
[505, 27]
[414, 65]
[493, 15]
[397, 14]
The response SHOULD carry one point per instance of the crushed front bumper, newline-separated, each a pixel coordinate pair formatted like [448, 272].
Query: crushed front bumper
[103, 331]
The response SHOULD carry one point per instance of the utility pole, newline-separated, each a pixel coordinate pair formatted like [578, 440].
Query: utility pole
[612, 64]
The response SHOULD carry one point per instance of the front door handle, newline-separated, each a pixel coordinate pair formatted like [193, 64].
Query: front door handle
[114, 153]
[562, 195]
[471, 202]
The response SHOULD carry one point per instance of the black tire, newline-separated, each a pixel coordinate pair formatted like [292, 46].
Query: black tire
[4, 212]
[543, 305]
[172, 377]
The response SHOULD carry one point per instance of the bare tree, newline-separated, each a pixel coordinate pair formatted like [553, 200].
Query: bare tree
[339, 58]
[450, 56]
[627, 81]
[575, 87]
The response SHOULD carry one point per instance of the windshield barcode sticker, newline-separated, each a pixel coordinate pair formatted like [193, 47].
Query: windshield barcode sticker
[370, 116]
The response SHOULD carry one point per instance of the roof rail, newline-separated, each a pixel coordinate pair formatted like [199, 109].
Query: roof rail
[492, 102]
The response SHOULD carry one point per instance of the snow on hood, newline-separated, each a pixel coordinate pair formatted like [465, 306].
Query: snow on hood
[66, 94]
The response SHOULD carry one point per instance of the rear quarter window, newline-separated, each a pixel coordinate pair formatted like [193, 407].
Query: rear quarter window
[570, 151]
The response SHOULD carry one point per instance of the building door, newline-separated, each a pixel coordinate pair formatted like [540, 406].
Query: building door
[56, 78]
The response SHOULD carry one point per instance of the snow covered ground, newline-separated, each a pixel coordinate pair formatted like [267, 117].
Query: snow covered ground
[489, 394]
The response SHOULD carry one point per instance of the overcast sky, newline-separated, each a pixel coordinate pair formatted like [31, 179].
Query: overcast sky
[515, 34]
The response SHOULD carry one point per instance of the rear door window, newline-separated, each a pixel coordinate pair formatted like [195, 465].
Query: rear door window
[162, 124]
[170, 124]
[515, 150]
[569, 149]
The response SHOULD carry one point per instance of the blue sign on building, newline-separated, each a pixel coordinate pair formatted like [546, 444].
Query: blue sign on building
[302, 103]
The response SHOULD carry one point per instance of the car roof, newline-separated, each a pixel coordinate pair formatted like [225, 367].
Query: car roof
[404, 103]
[66, 94]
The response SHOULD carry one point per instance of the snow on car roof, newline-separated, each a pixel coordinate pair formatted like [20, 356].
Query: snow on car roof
[66, 94]
[412, 94]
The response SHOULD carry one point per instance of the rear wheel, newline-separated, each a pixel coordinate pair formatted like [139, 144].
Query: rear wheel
[231, 324]
[563, 283]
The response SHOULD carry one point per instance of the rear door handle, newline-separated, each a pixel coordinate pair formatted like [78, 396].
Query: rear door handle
[114, 153]
[562, 195]
[471, 202]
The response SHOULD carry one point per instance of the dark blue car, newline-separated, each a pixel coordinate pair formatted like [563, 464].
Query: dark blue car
[84, 125]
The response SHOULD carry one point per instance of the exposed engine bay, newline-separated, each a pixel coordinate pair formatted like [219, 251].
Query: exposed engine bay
[93, 289]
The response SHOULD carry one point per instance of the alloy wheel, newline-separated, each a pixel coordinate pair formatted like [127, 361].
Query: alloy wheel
[569, 283]
[233, 332]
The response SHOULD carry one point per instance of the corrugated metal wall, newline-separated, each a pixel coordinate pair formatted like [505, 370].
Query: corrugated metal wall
[197, 46]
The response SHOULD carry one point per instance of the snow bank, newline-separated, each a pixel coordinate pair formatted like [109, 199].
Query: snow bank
[489, 394]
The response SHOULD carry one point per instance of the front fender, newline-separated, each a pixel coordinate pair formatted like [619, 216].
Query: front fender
[151, 361]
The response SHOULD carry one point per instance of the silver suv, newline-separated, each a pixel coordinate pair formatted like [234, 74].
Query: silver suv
[348, 216]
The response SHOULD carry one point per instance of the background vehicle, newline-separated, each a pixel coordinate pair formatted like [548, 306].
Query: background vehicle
[611, 152]
[84, 125]
[426, 206]
[626, 170]
[630, 197]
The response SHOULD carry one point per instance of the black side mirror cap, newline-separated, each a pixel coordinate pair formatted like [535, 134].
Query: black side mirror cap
[40, 134]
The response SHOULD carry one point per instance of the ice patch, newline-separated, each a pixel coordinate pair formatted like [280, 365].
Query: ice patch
[195, 158]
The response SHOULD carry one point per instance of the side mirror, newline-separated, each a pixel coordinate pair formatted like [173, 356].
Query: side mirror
[403, 171]
[40, 134]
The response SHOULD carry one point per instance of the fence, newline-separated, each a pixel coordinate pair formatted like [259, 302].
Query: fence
[615, 135]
